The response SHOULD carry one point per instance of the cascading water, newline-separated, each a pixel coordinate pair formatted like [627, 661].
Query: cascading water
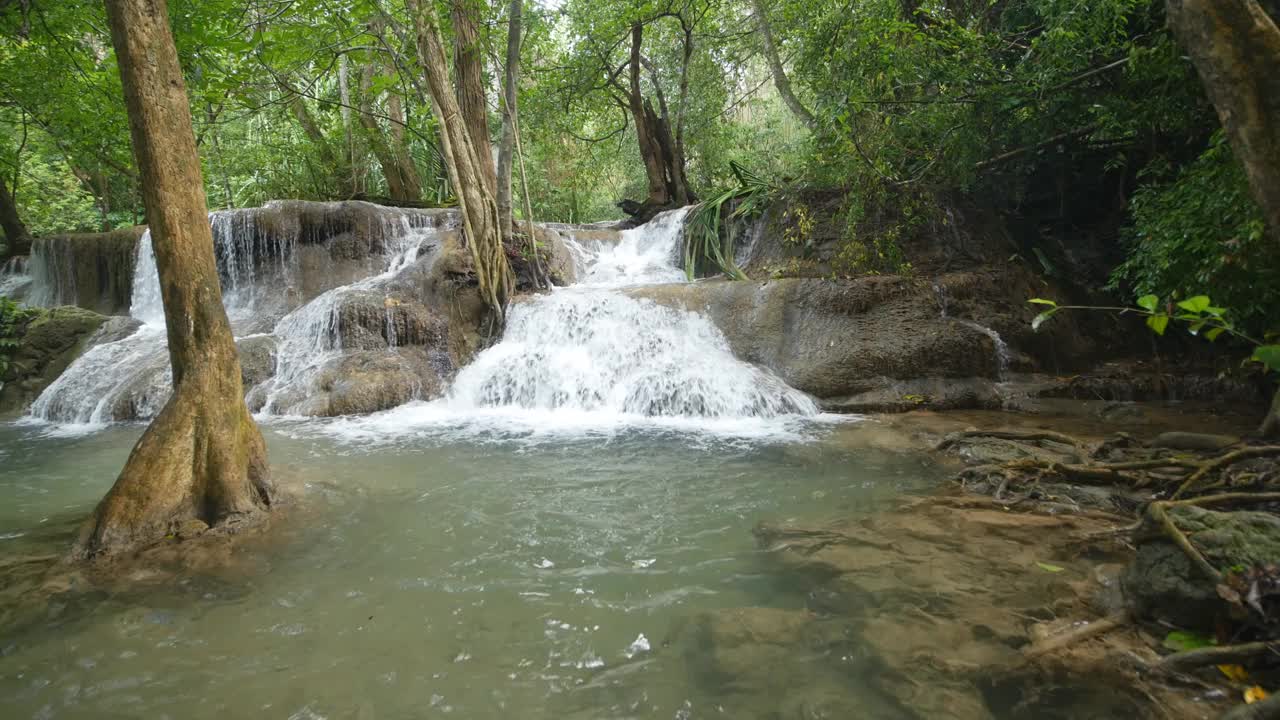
[259, 269]
[15, 280]
[589, 356]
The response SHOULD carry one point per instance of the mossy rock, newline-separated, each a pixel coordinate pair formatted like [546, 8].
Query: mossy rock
[48, 343]
[1162, 583]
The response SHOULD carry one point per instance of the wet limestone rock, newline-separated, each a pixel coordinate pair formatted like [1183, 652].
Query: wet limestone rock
[90, 270]
[1194, 441]
[368, 381]
[838, 339]
[1162, 583]
[49, 342]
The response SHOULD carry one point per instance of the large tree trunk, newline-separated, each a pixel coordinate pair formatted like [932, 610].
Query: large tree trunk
[16, 237]
[202, 461]
[780, 80]
[506, 148]
[646, 133]
[469, 68]
[1235, 46]
[466, 170]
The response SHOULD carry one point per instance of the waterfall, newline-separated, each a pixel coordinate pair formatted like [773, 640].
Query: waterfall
[264, 286]
[15, 280]
[588, 350]
[591, 348]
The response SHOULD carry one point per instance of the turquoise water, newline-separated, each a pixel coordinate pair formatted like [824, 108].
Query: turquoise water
[476, 573]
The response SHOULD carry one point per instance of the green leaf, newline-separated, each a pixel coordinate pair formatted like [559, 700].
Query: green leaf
[1195, 327]
[1148, 302]
[1042, 301]
[1268, 355]
[1213, 333]
[1049, 568]
[1039, 319]
[1215, 311]
[1197, 304]
[1183, 640]
[1158, 323]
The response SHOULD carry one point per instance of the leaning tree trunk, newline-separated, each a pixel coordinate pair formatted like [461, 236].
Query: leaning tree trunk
[779, 73]
[202, 461]
[400, 147]
[1235, 46]
[397, 187]
[469, 67]
[466, 170]
[16, 237]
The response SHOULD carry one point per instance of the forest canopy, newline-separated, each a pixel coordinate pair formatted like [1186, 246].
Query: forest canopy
[1050, 111]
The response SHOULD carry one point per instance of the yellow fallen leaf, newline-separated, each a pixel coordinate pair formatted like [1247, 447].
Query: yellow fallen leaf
[1254, 694]
[1234, 672]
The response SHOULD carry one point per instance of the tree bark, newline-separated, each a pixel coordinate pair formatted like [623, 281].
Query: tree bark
[16, 237]
[1235, 47]
[397, 187]
[506, 147]
[469, 68]
[400, 148]
[313, 132]
[466, 170]
[202, 461]
[646, 134]
[780, 80]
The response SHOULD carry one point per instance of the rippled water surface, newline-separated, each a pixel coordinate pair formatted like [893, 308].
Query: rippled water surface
[480, 575]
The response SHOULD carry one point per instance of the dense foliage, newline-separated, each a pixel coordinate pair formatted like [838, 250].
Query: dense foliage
[1021, 107]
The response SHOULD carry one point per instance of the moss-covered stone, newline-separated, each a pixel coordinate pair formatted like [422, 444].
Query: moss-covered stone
[47, 345]
[1161, 582]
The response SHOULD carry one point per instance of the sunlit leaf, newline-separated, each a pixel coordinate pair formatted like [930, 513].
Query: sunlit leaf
[1254, 694]
[1043, 301]
[1196, 304]
[1158, 323]
[1049, 568]
[1039, 319]
[1213, 333]
[1183, 640]
[1148, 302]
[1234, 673]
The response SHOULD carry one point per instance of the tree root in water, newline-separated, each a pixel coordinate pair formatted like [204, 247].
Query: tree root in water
[1225, 655]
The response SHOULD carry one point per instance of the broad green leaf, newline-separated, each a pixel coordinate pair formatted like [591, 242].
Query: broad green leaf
[1158, 323]
[1039, 319]
[1183, 640]
[1268, 355]
[1042, 301]
[1213, 333]
[1195, 327]
[1049, 568]
[1197, 304]
[1148, 302]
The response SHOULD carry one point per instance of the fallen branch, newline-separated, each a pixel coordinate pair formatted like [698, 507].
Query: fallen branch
[1080, 634]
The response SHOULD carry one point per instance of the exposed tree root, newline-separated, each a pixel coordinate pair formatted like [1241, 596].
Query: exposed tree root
[1227, 654]
[1020, 435]
[1224, 461]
